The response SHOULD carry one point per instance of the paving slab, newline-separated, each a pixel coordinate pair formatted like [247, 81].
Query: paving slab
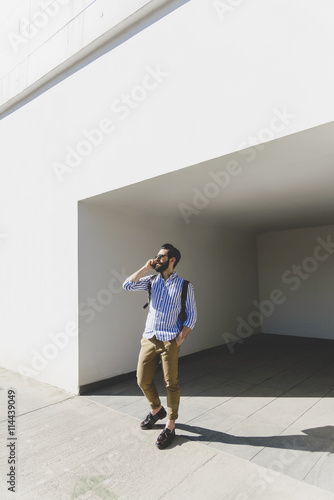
[215, 420]
[33, 395]
[249, 402]
[289, 378]
[295, 456]
[70, 447]
[260, 373]
[220, 478]
[210, 398]
[322, 472]
[116, 401]
[283, 412]
[319, 415]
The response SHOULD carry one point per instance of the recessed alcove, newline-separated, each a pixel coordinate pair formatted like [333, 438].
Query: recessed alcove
[241, 221]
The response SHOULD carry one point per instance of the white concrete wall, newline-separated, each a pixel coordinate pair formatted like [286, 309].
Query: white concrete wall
[299, 263]
[195, 85]
[43, 38]
[221, 264]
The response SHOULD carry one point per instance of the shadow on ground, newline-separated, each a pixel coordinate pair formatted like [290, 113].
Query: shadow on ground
[317, 439]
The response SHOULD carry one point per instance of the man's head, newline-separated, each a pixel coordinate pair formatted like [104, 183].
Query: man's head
[168, 256]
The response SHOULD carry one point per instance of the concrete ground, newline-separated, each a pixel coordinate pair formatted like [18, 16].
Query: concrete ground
[254, 424]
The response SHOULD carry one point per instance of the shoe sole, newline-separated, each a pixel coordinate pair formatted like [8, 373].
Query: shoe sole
[163, 446]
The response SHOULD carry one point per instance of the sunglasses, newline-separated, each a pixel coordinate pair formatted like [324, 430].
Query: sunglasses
[161, 256]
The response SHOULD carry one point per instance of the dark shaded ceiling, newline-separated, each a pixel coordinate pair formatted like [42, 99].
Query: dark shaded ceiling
[289, 183]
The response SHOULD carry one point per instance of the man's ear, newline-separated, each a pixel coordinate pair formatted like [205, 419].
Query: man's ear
[173, 260]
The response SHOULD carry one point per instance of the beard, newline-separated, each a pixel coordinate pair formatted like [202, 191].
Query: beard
[160, 268]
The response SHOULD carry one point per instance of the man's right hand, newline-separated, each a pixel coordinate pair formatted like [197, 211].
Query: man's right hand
[141, 272]
[150, 264]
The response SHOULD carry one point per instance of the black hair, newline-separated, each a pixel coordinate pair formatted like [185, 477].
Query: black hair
[172, 252]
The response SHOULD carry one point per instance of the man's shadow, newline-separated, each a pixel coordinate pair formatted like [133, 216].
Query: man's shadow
[316, 439]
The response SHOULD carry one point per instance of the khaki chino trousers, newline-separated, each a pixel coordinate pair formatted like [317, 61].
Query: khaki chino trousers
[168, 352]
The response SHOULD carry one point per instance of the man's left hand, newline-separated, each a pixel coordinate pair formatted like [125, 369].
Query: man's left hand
[178, 341]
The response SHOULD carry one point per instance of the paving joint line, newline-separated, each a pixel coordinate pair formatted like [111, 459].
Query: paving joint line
[41, 408]
[292, 424]
[220, 404]
[304, 478]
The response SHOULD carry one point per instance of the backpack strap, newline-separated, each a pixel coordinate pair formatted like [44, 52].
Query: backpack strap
[152, 278]
[183, 314]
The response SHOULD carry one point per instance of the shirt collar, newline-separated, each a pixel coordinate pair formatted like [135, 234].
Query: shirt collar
[171, 277]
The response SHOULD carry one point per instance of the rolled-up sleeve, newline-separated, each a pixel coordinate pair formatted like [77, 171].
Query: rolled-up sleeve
[134, 287]
[191, 309]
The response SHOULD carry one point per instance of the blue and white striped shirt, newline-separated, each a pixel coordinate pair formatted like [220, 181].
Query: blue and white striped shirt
[165, 306]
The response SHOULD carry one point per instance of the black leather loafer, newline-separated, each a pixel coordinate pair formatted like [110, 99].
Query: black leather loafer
[150, 420]
[165, 438]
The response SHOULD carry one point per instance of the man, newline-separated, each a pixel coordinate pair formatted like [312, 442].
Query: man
[162, 336]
